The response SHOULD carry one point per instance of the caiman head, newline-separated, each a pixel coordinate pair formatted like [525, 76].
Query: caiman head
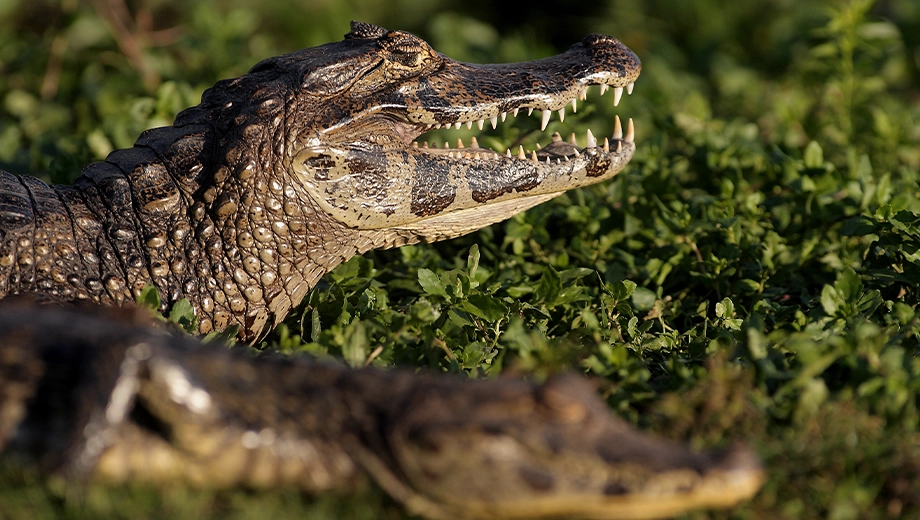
[360, 104]
[316, 156]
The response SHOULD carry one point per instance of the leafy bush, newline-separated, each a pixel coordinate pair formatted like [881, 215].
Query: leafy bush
[753, 274]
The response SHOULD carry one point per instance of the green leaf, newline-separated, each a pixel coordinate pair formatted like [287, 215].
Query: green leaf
[472, 261]
[431, 283]
[814, 156]
[643, 299]
[849, 285]
[484, 306]
[549, 286]
[725, 309]
[149, 298]
[183, 314]
[858, 226]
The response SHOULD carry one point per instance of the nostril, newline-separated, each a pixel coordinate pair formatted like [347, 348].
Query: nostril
[599, 39]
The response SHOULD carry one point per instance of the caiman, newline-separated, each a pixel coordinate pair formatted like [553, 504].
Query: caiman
[240, 207]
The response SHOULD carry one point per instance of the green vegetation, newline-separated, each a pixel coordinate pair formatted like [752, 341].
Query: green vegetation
[754, 274]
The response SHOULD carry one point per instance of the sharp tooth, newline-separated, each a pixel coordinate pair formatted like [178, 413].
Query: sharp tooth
[583, 94]
[504, 115]
[574, 105]
[619, 146]
[457, 125]
[617, 94]
[474, 143]
[577, 154]
[539, 147]
[556, 137]
[459, 143]
[529, 110]
[562, 114]
[547, 160]
[469, 125]
[604, 88]
[446, 145]
[515, 113]
[629, 87]
[606, 145]
[480, 123]
[617, 128]
[533, 156]
[425, 145]
[592, 142]
[572, 139]
[521, 154]
[630, 131]
[508, 152]
[494, 121]
[545, 121]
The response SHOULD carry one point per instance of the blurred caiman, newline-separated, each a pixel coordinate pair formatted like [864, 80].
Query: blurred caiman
[240, 207]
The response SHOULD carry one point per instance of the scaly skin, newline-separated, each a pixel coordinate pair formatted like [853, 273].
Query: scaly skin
[240, 206]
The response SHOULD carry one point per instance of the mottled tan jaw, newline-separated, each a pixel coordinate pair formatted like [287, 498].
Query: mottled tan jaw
[378, 182]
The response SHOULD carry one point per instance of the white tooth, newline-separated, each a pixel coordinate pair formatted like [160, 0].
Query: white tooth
[583, 95]
[508, 152]
[474, 143]
[606, 145]
[619, 146]
[476, 156]
[572, 139]
[504, 115]
[617, 128]
[630, 131]
[529, 110]
[480, 123]
[604, 88]
[539, 146]
[547, 160]
[460, 143]
[617, 94]
[577, 154]
[629, 87]
[521, 154]
[494, 121]
[515, 113]
[546, 116]
[562, 114]
[425, 145]
[574, 105]
[457, 125]
[592, 142]
[533, 156]
[437, 126]
[469, 125]
[446, 145]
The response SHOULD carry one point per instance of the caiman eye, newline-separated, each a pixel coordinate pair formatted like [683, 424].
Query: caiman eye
[406, 54]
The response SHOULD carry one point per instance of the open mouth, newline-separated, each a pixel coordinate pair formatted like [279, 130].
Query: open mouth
[557, 150]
